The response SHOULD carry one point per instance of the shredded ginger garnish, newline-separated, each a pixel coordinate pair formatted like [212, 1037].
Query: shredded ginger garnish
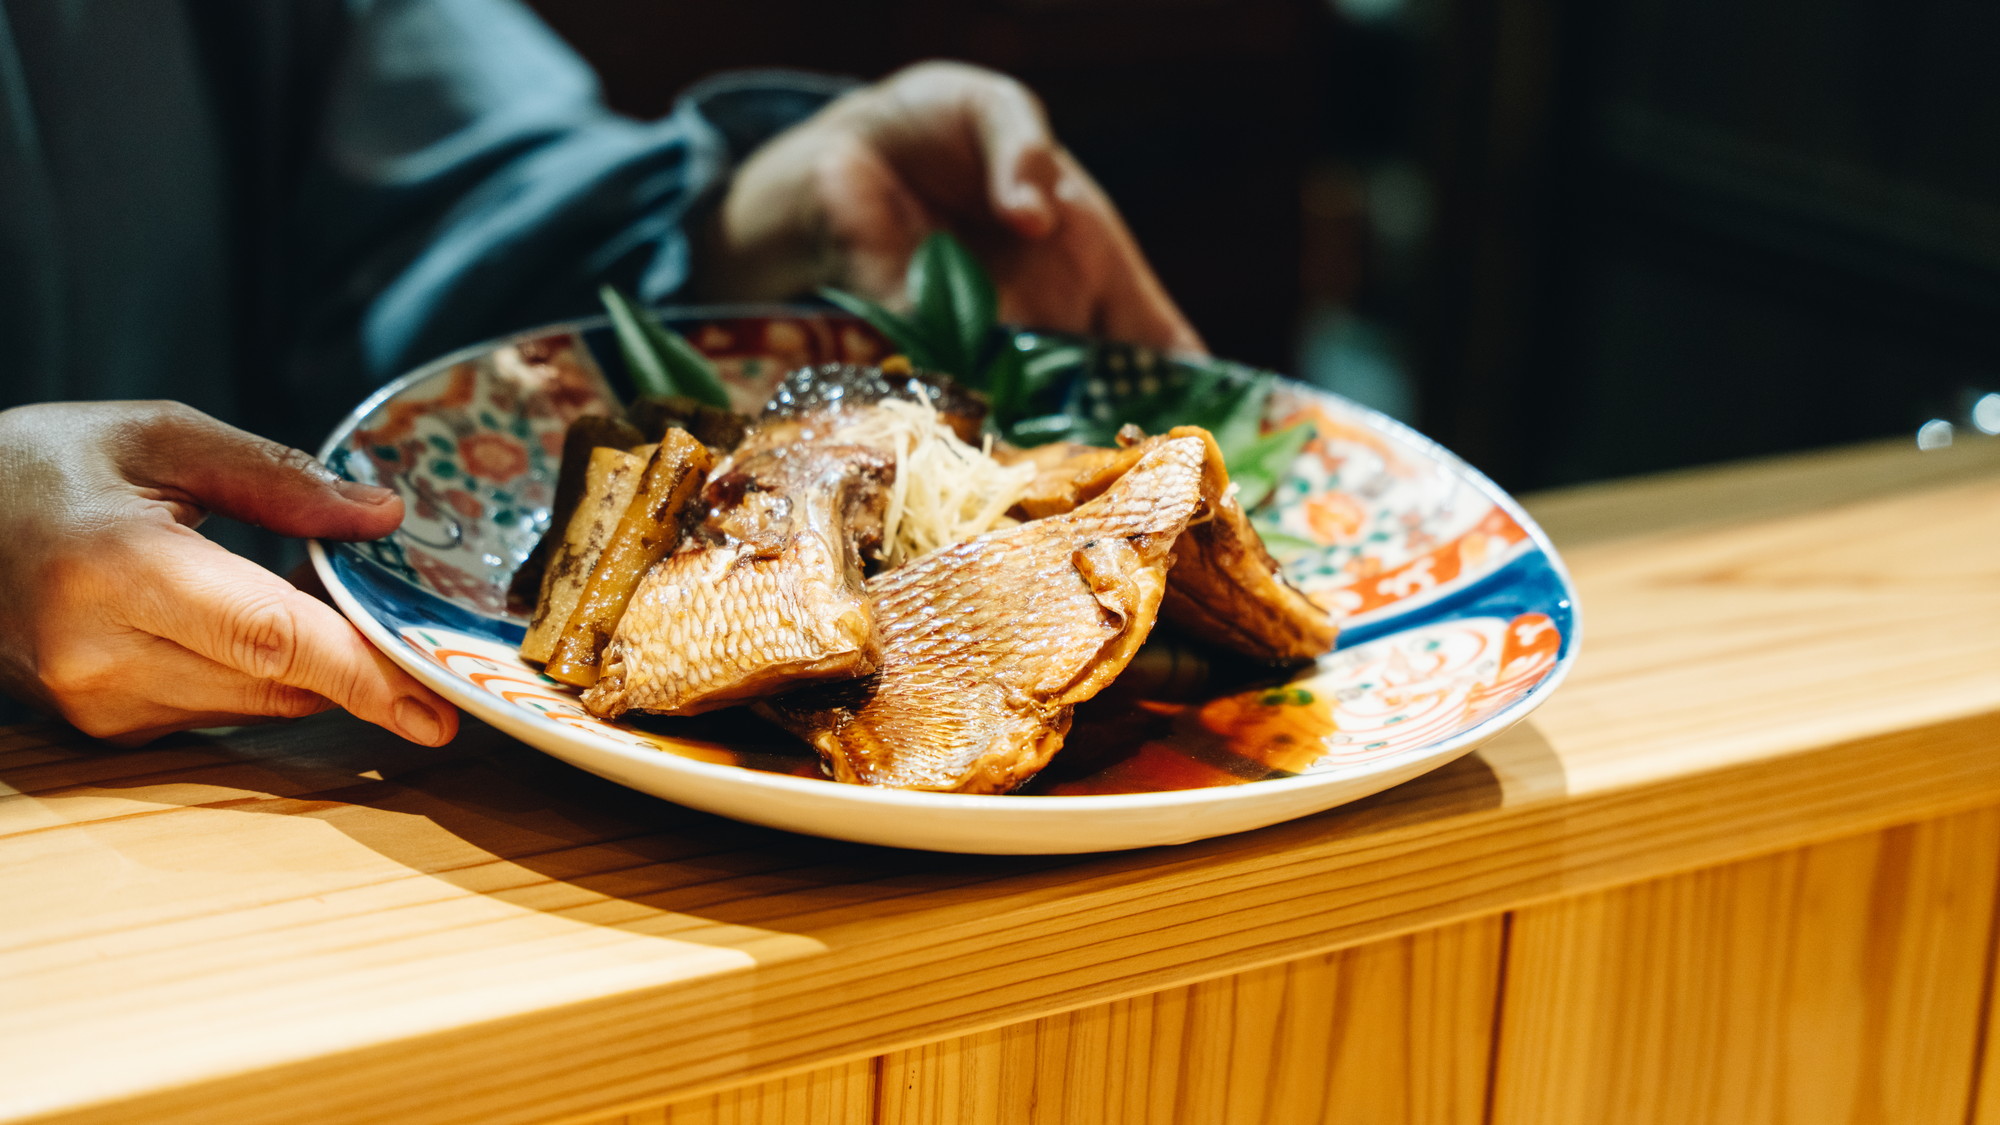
[945, 491]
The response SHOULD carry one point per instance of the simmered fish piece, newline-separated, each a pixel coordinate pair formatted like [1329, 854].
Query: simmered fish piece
[1227, 589]
[988, 644]
[1224, 588]
[817, 392]
[1068, 473]
[650, 529]
[770, 591]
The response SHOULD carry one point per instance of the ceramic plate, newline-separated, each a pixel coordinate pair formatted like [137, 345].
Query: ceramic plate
[1458, 616]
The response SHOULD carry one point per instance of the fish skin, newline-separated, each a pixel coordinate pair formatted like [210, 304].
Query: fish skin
[833, 388]
[987, 645]
[768, 591]
[1225, 588]
[771, 594]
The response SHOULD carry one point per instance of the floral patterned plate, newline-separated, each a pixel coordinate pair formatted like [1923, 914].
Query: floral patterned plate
[1458, 618]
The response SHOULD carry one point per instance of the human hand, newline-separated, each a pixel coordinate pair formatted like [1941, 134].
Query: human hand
[117, 614]
[844, 197]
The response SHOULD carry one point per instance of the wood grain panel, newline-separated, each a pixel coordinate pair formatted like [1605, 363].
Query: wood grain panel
[1986, 1082]
[835, 1095]
[1397, 1030]
[922, 948]
[1837, 983]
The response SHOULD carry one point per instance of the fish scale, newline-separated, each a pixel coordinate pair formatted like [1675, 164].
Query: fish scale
[1224, 588]
[987, 645]
[721, 623]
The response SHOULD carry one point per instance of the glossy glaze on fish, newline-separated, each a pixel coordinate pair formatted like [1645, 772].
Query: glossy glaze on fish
[986, 645]
[1225, 587]
[769, 590]
[816, 394]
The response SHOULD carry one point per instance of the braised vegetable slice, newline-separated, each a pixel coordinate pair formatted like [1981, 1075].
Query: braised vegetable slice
[607, 484]
[585, 434]
[719, 429]
[648, 531]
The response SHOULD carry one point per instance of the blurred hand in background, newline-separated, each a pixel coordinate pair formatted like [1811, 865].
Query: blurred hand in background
[844, 197]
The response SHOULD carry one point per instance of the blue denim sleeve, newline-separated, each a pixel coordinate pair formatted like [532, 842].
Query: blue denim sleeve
[469, 181]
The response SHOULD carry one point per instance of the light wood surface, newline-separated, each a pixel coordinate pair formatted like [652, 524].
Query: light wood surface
[314, 915]
[1842, 982]
[1762, 490]
[1395, 1031]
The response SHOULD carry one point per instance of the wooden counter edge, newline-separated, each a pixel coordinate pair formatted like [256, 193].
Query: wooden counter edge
[586, 1060]
[1409, 860]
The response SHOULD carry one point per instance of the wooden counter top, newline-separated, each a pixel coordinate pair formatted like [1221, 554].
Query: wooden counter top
[316, 922]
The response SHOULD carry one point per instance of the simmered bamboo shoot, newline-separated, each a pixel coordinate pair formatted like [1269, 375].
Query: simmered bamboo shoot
[649, 530]
[592, 431]
[609, 481]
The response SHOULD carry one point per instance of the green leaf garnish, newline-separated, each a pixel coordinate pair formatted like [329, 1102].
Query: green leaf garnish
[1238, 414]
[955, 303]
[1006, 385]
[951, 329]
[1259, 466]
[1286, 547]
[661, 360]
[1044, 429]
[908, 337]
[1041, 367]
[954, 309]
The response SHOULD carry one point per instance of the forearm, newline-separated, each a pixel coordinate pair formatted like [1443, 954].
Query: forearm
[501, 192]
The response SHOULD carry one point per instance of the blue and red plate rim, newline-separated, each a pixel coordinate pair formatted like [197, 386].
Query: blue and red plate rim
[382, 604]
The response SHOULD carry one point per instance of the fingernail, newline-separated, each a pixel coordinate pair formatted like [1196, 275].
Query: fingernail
[363, 493]
[418, 722]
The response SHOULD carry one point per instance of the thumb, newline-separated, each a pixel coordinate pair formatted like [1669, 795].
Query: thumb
[230, 472]
[1022, 167]
[871, 215]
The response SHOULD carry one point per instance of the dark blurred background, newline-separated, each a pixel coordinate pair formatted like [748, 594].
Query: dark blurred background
[1570, 241]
